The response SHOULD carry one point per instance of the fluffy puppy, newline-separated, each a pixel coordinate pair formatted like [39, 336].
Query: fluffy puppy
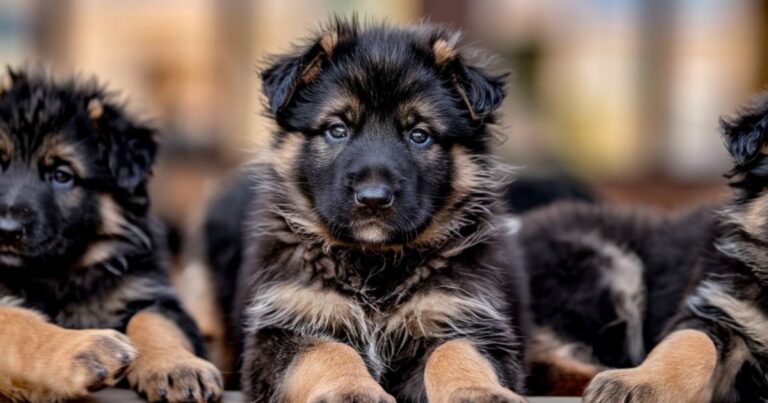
[693, 291]
[84, 293]
[372, 270]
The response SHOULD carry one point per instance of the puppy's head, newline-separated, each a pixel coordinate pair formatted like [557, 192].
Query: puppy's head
[380, 130]
[73, 171]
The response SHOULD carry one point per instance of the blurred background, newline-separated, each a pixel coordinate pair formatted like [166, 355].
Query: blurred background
[624, 95]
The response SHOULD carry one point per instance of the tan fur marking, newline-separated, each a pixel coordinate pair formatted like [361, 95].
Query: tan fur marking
[346, 104]
[164, 351]
[196, 289]
[311, 70]
[155, 336]
[55, 148]
[467, 177]
[430, 315]
[679, 369]
[6, 146]
[328, 42]
[112, 220]
[424, 109]
[95, 109]
[300, 217]
[283, 158]
[754, 218]
[444, 51]
[307, 309]
[44, 362]
[456, 370]
[97, 252]
[112, 223]
[6, 84]
[330, 371]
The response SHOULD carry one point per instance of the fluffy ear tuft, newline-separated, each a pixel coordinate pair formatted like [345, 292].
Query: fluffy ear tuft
[131, 148]
[290, 71]
[95, 109]
[11, 78]
[481, 91]
[6, 84]
[746, 136]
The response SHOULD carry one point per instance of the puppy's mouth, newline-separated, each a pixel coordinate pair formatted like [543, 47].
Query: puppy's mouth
[371, 230]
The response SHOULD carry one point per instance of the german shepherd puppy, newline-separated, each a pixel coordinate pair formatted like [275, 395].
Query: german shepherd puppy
[693, 289]
[84, 293]
[372, 268]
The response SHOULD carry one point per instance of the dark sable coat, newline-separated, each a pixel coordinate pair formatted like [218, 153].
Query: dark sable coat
[605, 282]
[372, 224]
[704, 271]
[76, 240]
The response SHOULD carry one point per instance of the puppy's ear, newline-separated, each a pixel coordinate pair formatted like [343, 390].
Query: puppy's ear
[131, 147]
[291, 71]
[12, 78]
[746, 136]
[481, 91]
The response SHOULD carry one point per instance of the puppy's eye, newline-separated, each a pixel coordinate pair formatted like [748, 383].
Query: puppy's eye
[420, 137]
[337, 131]
[62, 176]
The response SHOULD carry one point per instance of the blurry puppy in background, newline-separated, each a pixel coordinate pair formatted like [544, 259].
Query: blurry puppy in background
[84, 293]
[372, 268]
[611, 285]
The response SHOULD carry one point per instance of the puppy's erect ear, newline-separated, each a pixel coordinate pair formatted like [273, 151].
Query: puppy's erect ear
[11, 78]
[130, 147]
[291, 71]
[746, 136]
[481, 91]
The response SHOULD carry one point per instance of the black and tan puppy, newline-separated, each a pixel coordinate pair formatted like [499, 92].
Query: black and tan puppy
[692, 290]
[84, 295]
[372, 270]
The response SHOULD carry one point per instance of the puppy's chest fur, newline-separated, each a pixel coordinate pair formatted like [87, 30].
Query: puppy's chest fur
[386, 306]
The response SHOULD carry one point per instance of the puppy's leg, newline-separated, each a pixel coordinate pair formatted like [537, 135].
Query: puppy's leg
[331, 372]
[457, 372]
[43, 362]
[167, 368]
[281, 366]
[679, 369]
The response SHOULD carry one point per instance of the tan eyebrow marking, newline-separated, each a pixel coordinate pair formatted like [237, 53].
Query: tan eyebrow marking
[423, 108]
[346, 104]
[56, 148]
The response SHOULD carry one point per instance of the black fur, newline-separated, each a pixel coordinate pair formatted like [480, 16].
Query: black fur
[307, 231]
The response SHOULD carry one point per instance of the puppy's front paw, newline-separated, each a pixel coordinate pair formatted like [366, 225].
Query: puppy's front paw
[177, 378]
[644, 385]
[90, 360]
[351, 391]
[622, 385]
[482, 394]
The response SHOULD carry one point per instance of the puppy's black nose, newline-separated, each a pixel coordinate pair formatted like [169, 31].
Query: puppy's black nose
[11, 230]
[376, 195]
